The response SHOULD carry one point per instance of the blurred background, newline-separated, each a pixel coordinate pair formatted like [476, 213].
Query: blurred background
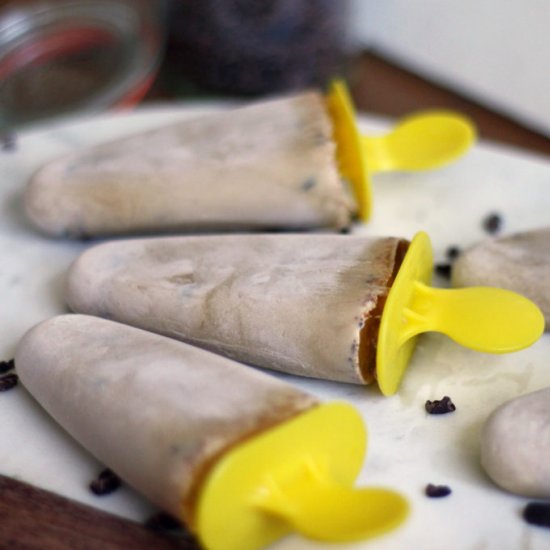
[489, 59]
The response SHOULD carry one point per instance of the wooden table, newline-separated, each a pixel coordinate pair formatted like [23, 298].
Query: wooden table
[381, 87]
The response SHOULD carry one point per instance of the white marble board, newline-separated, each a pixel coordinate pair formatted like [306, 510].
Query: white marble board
[407, 447]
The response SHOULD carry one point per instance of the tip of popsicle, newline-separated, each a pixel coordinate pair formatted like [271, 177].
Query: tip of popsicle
[485, 319]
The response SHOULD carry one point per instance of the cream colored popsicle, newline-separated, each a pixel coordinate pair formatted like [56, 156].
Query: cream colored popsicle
[157, 411]
[240, 456]
[280, 163]
[267, 165]
[519, 262]
[515, 444]
[346, 308]
[304, 303]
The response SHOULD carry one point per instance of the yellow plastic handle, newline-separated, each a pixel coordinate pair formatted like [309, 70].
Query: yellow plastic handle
[350, 154]
[297, 476]
[419, 142]
[321, 509]
[481, 318]
[484, 319]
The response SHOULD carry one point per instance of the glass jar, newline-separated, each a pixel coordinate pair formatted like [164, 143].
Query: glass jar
[76, 55]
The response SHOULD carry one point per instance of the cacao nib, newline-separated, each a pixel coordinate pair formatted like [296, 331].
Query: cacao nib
[6, 366]
[537, 513]
[437, 491]
[106, 483]
[441, 406]
[8, 381]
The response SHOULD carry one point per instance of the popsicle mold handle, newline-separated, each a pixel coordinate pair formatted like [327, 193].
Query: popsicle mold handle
[484, 319]
[321, 509]
[481, 318]
[350, 153]
[297, 476]
[419, 142]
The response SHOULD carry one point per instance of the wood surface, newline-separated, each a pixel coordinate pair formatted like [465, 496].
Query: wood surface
[380, 86]
[31, 518]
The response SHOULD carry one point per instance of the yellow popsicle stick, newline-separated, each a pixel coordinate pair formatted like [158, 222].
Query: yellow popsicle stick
[419, 142]
[350, 155]
[299, 477]
[481, 318]
[323, 510]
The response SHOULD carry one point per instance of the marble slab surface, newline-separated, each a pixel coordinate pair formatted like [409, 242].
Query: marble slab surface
[407, 448]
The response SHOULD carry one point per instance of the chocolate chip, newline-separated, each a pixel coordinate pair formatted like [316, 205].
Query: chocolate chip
[444, 270]
[8, 381]
[442, 406]
[345, 230]
[537, 513]
[106, 483]
[437, 491]
[6, 366]
[492, 223]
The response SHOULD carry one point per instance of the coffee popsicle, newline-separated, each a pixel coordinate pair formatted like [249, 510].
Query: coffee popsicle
[337, 307]
[278, 163]
[519, 262]
[240, 456]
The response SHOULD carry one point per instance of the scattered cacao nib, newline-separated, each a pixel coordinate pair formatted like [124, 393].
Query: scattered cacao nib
[6, 366]
[437, 491]
[492, 223]
[168, 524]
[537, 513]
[453, 252]
[163, 522]
[8, 381]
[440, 406]
[106, 483]
[8, 141]
[444, 270]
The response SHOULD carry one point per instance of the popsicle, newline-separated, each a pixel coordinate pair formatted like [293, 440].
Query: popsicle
[241, 457]
[337, 307]
[273, 164]
[515, 445]
[519, 262]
